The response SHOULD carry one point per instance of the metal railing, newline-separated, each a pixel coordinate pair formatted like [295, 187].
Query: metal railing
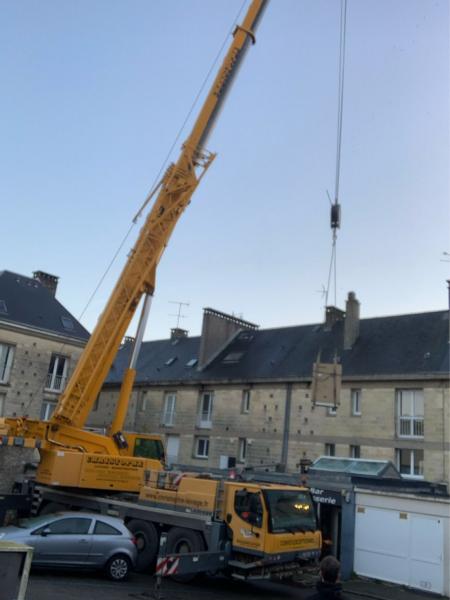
[55, 382]
[411, 427]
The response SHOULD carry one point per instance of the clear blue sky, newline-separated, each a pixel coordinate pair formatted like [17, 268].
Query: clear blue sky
[95, 91]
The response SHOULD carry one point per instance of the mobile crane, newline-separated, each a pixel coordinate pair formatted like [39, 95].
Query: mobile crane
[249, 530]
[69, 455]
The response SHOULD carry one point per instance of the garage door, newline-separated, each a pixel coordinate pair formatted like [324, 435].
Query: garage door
[401, 547]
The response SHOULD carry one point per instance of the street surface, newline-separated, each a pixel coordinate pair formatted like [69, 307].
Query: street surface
[87, 586]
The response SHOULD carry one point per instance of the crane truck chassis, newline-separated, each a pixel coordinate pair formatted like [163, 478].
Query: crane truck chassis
[198, 522]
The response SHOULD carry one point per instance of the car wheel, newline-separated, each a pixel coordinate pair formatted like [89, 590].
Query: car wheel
[181, 541]
[118, 567]
[147, 543]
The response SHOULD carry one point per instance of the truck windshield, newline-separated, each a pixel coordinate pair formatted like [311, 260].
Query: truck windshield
[290, 510]
[148, 448]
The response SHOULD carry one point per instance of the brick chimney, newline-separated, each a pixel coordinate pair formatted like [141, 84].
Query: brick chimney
[47, 280]
[217, 330]
[177, 333]
[351, 323]
[332, 316]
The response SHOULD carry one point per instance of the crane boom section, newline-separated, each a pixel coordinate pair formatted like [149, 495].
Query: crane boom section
[138, 275]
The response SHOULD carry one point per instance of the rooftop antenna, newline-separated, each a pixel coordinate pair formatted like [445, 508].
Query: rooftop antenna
[335, 216]
[179, 314]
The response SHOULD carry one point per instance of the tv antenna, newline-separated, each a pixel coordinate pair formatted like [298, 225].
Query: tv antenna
[179, 314]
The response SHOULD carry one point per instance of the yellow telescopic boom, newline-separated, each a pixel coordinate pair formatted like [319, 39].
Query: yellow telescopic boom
[138, 275]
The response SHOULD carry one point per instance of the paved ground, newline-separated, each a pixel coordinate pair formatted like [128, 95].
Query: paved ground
[87, 586]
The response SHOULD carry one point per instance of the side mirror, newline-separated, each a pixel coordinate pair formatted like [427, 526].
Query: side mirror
[45, 532]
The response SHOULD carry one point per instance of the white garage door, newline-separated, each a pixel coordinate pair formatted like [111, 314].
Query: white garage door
[400, 547]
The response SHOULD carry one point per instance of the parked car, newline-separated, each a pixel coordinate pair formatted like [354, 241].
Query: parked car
[77, 539]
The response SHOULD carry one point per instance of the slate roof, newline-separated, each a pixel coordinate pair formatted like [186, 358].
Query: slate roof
[27, 302]
[408, 346]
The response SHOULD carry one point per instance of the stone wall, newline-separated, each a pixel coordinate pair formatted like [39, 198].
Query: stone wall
[374, 431]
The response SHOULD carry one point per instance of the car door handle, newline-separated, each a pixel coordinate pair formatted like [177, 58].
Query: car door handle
[83, 541]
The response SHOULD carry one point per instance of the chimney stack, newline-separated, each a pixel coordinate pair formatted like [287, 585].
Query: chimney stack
[218, 328]
[48, 281]
[351, 324]
[332, 316]
[177, 333]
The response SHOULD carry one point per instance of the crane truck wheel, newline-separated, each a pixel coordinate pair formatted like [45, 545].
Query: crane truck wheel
[180, 541]
[147, 543]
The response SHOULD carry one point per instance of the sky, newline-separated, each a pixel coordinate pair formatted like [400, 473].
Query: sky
[94, 94]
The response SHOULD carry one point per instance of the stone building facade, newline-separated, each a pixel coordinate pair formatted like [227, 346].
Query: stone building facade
[240, 395]
[40, 343]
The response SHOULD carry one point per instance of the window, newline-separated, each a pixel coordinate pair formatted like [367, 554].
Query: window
[245, 401]
[57, 373]
[2, 404]
[149, 448]
[105, 529]
[201, 447]
[205, 414]
[6, 356]
[168, 417]
[67, 323]
[355, 452]
[71, 526]
[232, 357]
[170, 361]
[332, 411]
[47, 408]
[192, 362]
[356, 402]
[410, 462]
[3, 308]
[330, 450]
[144, 402]
[249, 507]
[410, 411]
[242, 449]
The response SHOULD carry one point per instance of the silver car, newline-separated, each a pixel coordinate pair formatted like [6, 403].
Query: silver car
[77, 539]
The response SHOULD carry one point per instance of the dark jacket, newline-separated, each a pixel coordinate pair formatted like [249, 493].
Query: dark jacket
[328, 591]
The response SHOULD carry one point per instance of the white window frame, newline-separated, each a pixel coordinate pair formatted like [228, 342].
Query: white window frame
[246, 396]
[6, 359]
[355, 450]
[55, 382]
[355, 398]
[330, 449]
[169, 410]
[204, 452]
[47, 409]
[412, 461]
[204, 419]
[242, 450]
[410, 426]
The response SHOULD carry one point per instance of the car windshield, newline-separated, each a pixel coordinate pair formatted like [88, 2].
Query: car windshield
[290, 510]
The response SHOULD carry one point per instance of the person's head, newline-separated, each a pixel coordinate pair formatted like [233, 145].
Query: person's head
[329, 569]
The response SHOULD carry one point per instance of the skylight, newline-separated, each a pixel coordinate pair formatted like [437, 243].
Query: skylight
[170, 361]
[233, 357]
[3, 308]
[192, 362]
[67, 323]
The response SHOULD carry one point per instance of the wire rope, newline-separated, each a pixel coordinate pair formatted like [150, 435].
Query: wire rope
[335, 223]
